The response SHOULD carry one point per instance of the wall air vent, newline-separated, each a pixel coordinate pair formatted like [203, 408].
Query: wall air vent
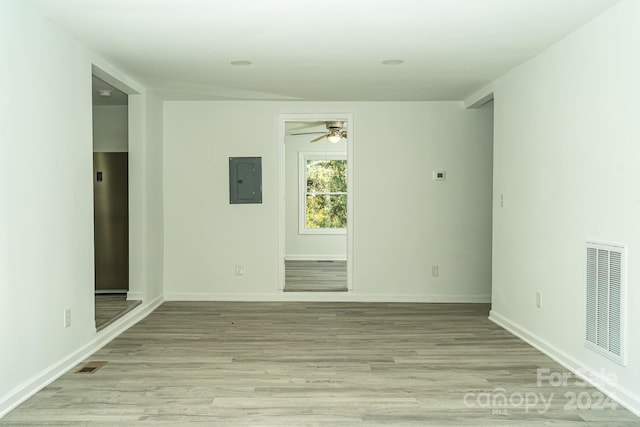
[605, 300]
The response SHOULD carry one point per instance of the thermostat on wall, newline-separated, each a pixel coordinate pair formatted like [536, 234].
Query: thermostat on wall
[439, 175]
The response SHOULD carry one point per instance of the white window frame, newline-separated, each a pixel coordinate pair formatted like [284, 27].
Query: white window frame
[302, 186]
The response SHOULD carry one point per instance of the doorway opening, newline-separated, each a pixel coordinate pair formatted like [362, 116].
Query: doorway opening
[111, 202]
[316, 214]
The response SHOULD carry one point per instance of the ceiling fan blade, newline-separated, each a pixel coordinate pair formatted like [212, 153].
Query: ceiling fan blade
[300, 126]
[319, 138]
[308, 133]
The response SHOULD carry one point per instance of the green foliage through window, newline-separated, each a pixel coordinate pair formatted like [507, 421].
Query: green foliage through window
[326, 194]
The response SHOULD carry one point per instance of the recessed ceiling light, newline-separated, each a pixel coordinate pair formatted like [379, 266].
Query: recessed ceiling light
[241, 63]
[105, 93]
[393, 62]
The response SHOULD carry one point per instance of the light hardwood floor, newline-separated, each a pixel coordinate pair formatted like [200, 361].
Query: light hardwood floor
[315, 276]
[324, 364]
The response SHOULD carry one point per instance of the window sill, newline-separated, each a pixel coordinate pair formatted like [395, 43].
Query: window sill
[325, 231]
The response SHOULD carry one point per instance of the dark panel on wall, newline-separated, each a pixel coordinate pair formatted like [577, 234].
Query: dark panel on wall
[245, 180]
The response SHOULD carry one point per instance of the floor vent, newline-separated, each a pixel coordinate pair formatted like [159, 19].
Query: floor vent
[91, 367]
[605, 300]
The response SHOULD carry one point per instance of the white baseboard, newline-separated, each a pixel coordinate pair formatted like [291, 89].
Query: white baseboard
[327, 297]
[134, 296]
[596, 378]
[40, 380]
[315, 257]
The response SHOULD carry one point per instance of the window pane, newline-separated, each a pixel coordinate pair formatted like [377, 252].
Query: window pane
[326, 176]
[327, 211]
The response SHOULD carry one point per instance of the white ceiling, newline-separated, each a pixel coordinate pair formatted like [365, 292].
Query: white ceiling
[116, 96]
[328, 50]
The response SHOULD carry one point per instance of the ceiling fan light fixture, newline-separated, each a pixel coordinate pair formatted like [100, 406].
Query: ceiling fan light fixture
[334, 136]
[335, 132]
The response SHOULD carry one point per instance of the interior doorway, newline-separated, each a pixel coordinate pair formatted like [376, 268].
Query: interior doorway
[111, 202]
[316, 214]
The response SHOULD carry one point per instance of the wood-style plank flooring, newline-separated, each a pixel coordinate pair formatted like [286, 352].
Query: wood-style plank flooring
[315, 364]
[315, 276]
[111, 307]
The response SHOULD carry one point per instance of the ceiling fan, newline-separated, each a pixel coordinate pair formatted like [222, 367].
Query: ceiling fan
[334, 132]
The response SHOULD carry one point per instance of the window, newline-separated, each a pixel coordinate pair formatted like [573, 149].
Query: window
[323, 193]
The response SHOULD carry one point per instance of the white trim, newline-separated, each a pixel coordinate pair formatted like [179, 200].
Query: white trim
[37, 382]
[280, 122]
[281, 119]
[479, 98]
[329, 297]
[597, 378]
[315, 257]
[303, 157]
[135, 296]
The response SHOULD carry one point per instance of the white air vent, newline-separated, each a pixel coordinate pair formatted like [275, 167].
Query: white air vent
[605, 300]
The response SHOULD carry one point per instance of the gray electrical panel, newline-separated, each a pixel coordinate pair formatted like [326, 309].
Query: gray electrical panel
[245, 180]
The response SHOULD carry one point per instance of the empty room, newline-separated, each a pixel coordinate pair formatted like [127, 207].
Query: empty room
[412, 212]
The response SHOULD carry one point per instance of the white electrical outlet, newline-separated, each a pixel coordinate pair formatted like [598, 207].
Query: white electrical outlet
[239, 270]
[67, 317]
[538, 303]
[435, 270]
[502, 200]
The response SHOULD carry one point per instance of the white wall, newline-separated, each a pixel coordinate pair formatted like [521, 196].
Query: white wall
[146, 229]
[110, 128]
[46, 202]
[47, 222]
[403, 221]
[307, 246]
[153, 238]
[567, 144]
